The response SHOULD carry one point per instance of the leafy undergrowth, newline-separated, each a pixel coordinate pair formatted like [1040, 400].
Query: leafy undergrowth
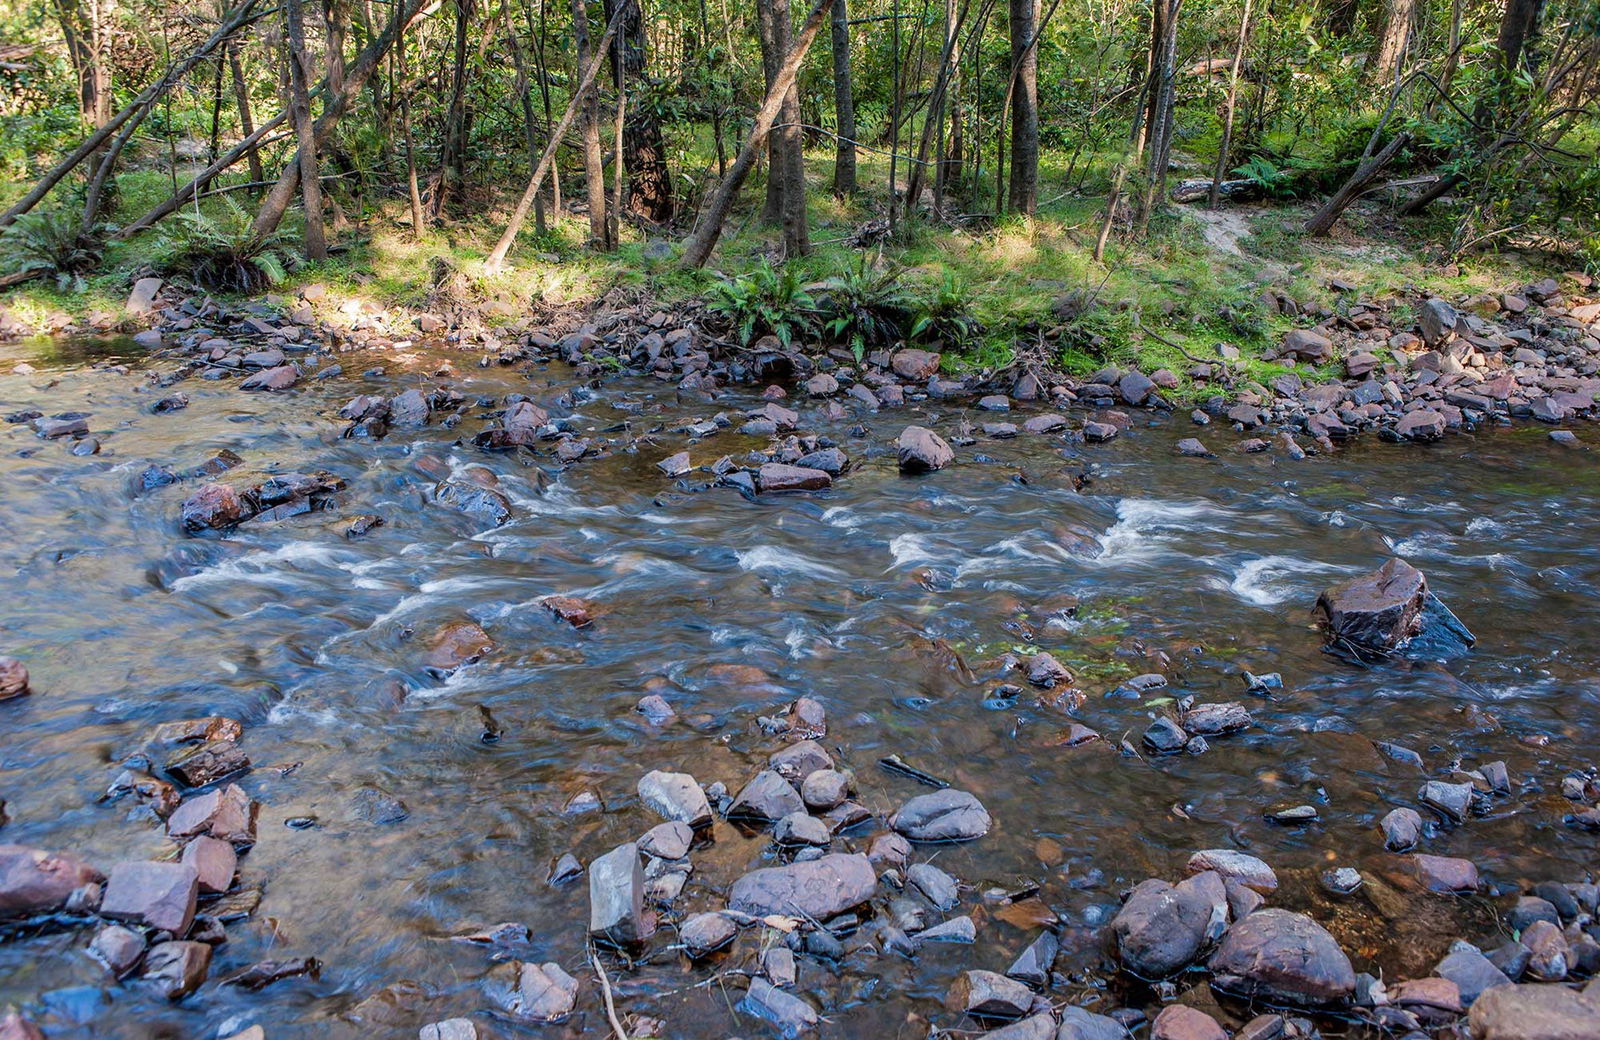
[983, 293]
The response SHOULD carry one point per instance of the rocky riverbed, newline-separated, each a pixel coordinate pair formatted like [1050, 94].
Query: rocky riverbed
[367, 675]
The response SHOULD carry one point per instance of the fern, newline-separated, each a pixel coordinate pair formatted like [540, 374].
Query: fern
[766, 302]
[865, 308]
[50, 243]
[223, 253]
[943, 317]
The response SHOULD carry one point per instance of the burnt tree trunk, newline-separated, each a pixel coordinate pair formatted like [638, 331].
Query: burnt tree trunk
[644, 150]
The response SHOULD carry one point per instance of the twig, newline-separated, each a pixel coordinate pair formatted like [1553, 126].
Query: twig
[1148, 331]
[605, 989]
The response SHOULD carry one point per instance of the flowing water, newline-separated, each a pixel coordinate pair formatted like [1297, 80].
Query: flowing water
[892, 600]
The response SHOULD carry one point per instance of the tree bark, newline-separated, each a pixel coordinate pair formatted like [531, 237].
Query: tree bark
[1394, 32]
[844, 103]
[1159, 111]
[83, 31]
[1518, 28]
[241, 100]
[700, 246]
[1023, 21]
[316, 241]
[1323, 220]
[497, 256]
[772, 27]
[454, 160]
[933, 125]
[644, 150]
[593, 163]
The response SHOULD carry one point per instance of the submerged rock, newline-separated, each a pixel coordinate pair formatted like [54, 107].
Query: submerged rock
[985, 994]
[157, 895]
[533, 992]
[13, 678]
[176, 969]
[785, 1012]
[707, 933]
[485, 505]
[1278, 955]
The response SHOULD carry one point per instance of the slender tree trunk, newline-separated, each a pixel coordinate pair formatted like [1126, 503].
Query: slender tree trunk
[413, 193]
[1226, 144]
[1159, 110]
[241, 100]
[700, 247]
[544, 90]
[933, 124]
[1394, 32]
[305, 135]
[497, 256]
[772, 20]
[844, 103]
[593, 165]
[1024, 187]
[198, 183]
[276, 203]
[716, 104]
[83, 32]
[454, 161]
[614, 215]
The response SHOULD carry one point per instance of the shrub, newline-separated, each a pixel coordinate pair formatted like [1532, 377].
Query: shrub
[51, 243]
[222, 253]
[766, 302]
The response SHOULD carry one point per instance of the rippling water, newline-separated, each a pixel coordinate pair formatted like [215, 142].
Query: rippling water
[892, 600]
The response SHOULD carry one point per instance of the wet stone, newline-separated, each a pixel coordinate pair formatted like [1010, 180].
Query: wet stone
[213, 861]
[788, 1014]
[1216, 719]
[118, 948]
[1033, 965]
[920, 450]
[1452, 801]
[955, 930]
[1550, 957]
[1162, 928]
[799, 760]
[937, 887]
[1177, 1022]
[1280, 955]
[532, 992]
[1163, 736]
[987, 995]
[456, 645]
[1533, 1012]
[818, 889]
[670, 840]
[484, 505]
[157, 895]
[766, 798]
[706, 933]
[1402, 829]
[578, 613]
[799, 828]
[943, 816]
[675, 796]
[824, 789]
[451, 1029]
[1080, 1024]
[207, 763]
[378, 807]
[176, 969]
[33, 881]
[13, 678]
[616, 898]
[778, 965]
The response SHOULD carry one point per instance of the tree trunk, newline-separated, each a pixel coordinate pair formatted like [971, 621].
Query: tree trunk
[933, 125]
[1159, 111]
[593, 164]
[1226, 144]
[198, 183]
[277, 201]
[644, 150]
[704, 241]
[1023, 21]
[619, 79]
[84, 34]
[497, 256]
[1518, 28]
[844, 103]
[1394, 32]
[1324, 219]
[772, 22]
[241, 100]
[305, 135]
[454, 160]
[413, 194]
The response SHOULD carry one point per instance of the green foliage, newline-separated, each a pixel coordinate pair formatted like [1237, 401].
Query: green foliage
[220, 251]
[767, 301]
[944, 317]
[864, 308]
[1273, 180]
[50, 242]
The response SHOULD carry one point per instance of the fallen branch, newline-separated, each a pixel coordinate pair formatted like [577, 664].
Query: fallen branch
[594, 958]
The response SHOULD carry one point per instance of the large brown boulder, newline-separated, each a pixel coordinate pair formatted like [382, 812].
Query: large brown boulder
[214, 506]
[923, 451]
[1390, 610]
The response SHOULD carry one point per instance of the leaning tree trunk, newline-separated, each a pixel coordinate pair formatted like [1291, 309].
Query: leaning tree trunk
[1024, 184]
[705, 239]
[497, 256]
[283, 191]
[305, 136]
[1323, 220]
[844, 103]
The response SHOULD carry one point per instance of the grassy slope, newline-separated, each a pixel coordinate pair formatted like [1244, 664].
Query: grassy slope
[1174, 283]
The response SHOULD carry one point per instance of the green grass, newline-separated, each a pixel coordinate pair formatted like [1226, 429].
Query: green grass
[1172, 286]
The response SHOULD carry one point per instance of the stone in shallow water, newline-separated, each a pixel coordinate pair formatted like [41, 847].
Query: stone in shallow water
[1162, 928]
[1472, 972]
[955, 930]
[920, 450]
[1079, 1024]
[943, 816]
[706, 933]
[616, 898]
[1033, 966]
[1034, 1027]
[670, 840]
[118, 948]
[819, 888]
[1444, 873]
[1534, 1012]
[533, 992]
[675, 796]
[33, 881]
[228, 814]
[1279, 955]
[214, 862]
[1402, 829]
[985, 994]
[1391, 610]
[800, 828]
[1452, 801]
[799, 760]
[1177, 1022]
[766, 798]
[13, 678]
[825, 789]
[785, 1012]
[939, 888]
[157, 895]
[176, 969]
